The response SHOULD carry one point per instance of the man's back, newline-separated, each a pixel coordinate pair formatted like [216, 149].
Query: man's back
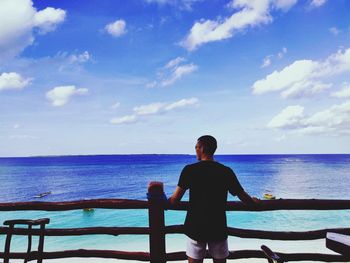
[208, 183]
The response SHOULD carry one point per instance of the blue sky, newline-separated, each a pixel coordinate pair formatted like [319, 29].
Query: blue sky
[151, 76]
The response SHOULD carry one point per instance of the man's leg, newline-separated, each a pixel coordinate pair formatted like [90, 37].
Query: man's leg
[195, 251]
[219, 251]
[222, 260]
[192, 260]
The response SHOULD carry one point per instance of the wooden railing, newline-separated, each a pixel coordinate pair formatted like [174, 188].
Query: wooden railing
[157, 229]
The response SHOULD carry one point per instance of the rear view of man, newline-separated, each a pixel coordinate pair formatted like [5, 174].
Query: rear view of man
[208, 182]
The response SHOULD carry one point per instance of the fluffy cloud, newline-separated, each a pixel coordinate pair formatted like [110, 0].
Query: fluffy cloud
[250, 13]
[61, 95]
[173, 71]
[117, 28]
[13, 80]
[46, 20]
[18, 20]
[343, 93]
[288, 118]
[304, 77]
[152, 109]
[317, 3]
[335, 120]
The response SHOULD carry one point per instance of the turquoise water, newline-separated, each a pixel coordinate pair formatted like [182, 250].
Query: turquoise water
[127, 176]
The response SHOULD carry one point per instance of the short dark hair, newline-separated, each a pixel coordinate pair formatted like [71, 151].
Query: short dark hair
[209, 144]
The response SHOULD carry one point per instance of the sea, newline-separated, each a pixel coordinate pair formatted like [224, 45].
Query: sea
[69, 178]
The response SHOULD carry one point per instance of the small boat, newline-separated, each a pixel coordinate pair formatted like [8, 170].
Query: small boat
[88, 210]
[268, 196]
[43, 194]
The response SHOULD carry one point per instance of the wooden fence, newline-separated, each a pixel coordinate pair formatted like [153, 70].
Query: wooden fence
[157, 230]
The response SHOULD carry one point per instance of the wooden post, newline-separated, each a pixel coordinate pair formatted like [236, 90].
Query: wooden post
[156, 222]
[41, 242]
[8, 244]
[29, 243]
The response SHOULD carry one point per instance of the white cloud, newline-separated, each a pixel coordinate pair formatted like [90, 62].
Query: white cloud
[80, 58]
[151, 84]
[282, 53]
[178, 73]
[117, 28]
[284, 5]
[317, 3]
[304, 77]
[13, 80]
[181, 103]
[250, 13]
[334, 121]
[288, 117]
[154, 108]
[48, 19]
[21, 137]
[305, 89]
[18, 20]
[115, 105]
[124, 119]
[174, 62]
[61, 95]
[266, 61]
[335, 31]
[181, 4]
[173, 71]
[343, 93]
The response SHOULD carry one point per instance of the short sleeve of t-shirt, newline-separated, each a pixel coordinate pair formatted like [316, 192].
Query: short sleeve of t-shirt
[234, 186]
[184, 181]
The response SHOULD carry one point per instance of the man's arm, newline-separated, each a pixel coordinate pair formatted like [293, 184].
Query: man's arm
[246, 198]
[177, 195]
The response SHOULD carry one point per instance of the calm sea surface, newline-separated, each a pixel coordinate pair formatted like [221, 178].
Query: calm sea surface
[127, 176]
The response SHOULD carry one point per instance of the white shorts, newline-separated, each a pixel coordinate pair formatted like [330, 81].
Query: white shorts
[217, 249]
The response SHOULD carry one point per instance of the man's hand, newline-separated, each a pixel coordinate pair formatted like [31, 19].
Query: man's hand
[256, 200]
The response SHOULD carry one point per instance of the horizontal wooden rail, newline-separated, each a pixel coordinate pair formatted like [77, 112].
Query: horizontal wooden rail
[157, 229]
[285, 235]
[175, 256]
[272, 235]
[245, 254]
[177, 229]
[280, 204]
[82, 253]
[115, 231]
[265, 205]
[74, 205]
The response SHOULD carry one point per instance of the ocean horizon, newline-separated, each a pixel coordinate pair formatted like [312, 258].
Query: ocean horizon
[67, 178]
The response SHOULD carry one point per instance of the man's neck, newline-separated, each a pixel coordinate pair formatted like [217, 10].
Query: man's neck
[207, 158]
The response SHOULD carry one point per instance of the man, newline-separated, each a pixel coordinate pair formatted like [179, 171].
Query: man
[208, 182]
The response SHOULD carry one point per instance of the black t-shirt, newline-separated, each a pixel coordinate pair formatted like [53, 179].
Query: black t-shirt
[208, 183]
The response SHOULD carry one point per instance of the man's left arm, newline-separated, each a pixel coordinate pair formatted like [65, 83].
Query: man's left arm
[177, 195]
[246, 198]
